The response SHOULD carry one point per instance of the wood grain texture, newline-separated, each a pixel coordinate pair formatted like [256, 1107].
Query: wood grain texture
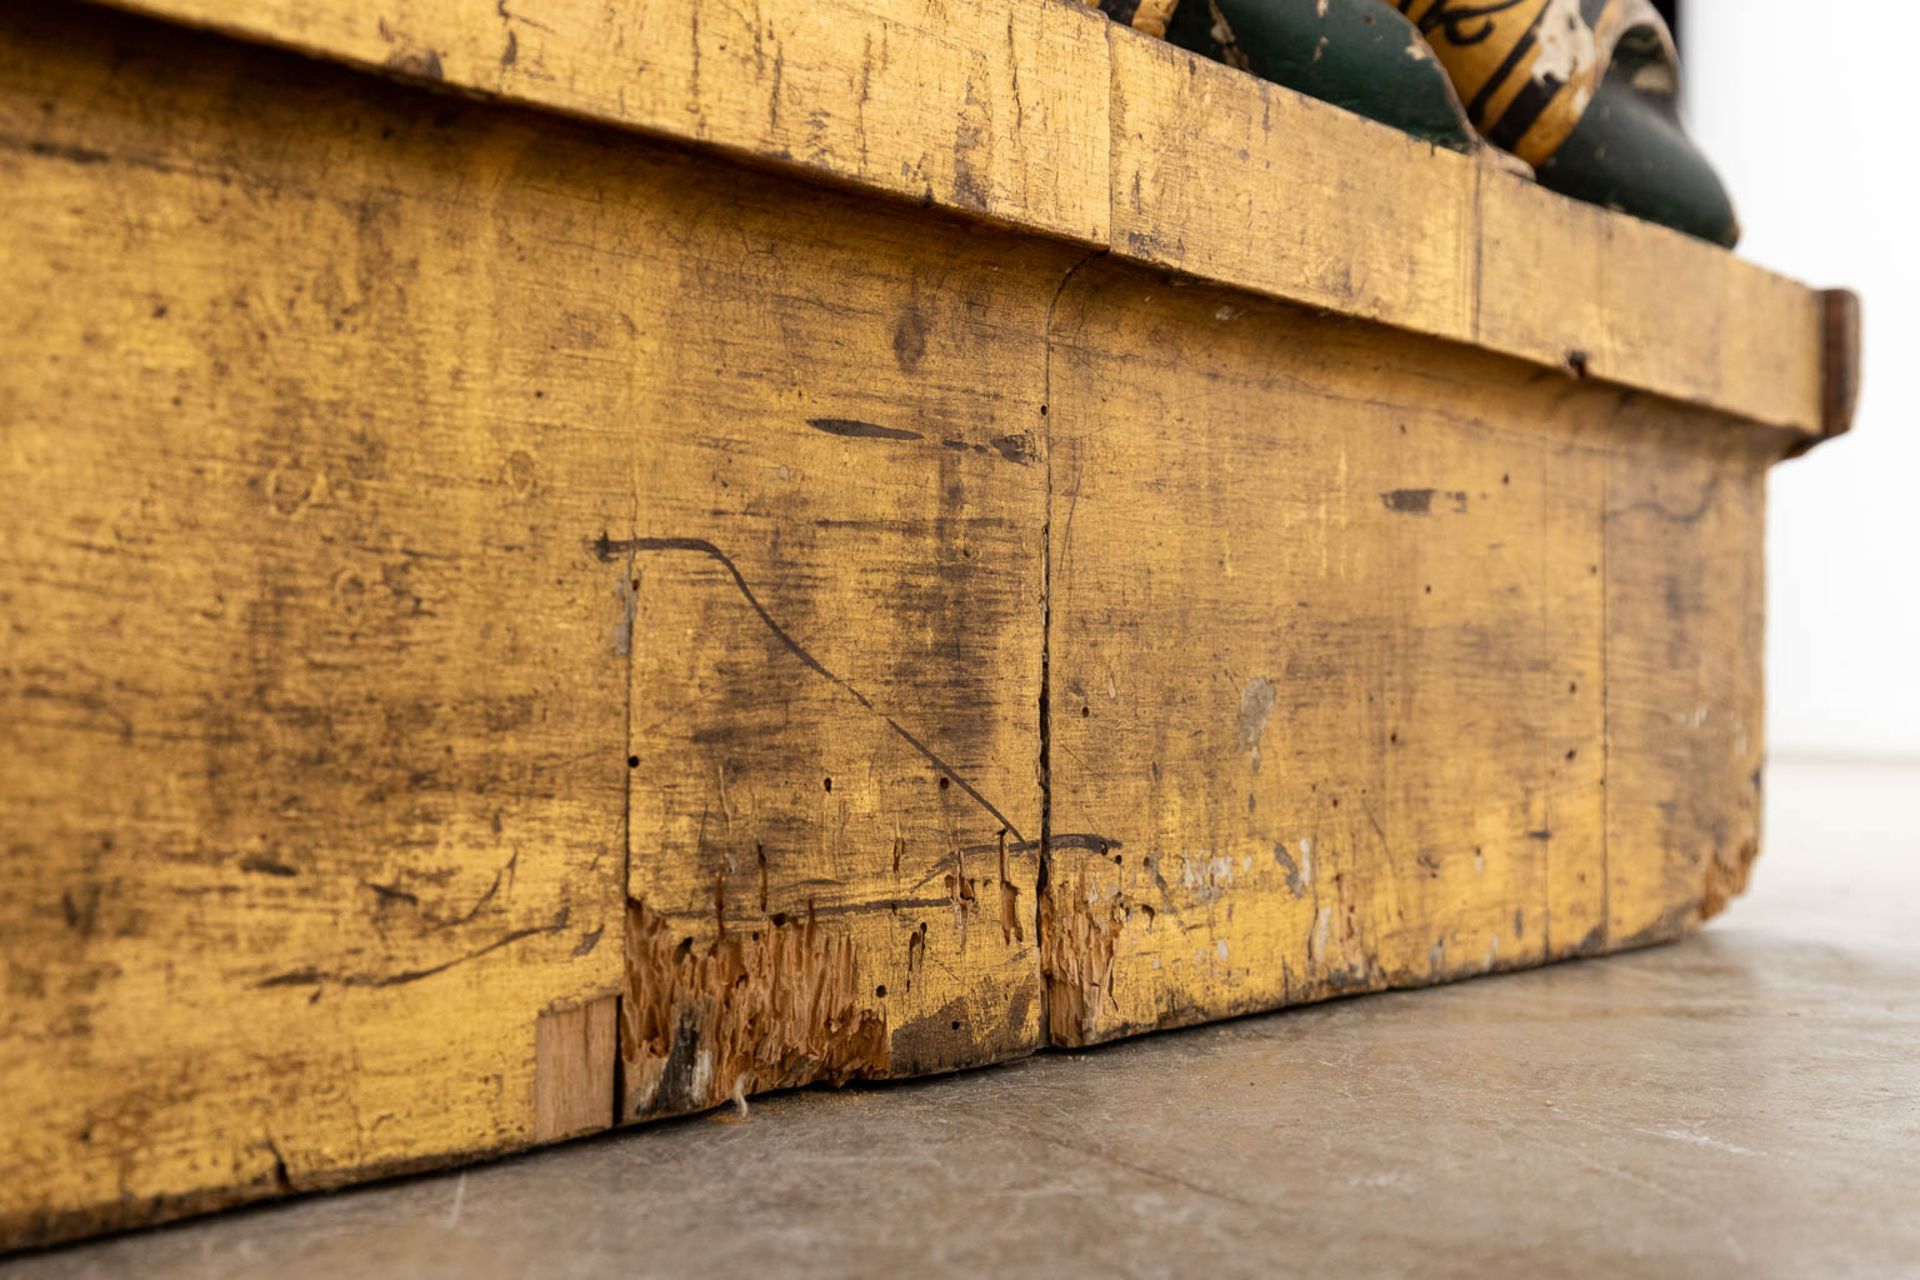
[396, 517]
[1040, 114]
[314, 726]
[468, 574]
[1250, 184]
[574, 1052]
[836, 556]
[1686, 737]
[1375, 664]
[1338, 699]
[998, 111]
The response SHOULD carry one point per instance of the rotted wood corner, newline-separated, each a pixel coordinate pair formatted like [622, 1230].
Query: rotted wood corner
[585, 598]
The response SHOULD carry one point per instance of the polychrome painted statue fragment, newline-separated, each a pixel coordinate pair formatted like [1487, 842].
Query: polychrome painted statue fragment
[1584, 93]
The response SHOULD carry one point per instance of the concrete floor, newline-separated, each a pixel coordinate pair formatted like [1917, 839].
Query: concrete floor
[1744, 1103]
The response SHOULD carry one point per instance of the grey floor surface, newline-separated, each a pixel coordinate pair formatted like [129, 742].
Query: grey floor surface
[1743, 1103]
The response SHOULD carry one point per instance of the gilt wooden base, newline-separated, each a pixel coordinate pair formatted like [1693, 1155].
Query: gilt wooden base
[515, 625]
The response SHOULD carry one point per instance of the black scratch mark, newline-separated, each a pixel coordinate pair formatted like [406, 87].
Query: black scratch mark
[854, 429]
[313, 977]
[1693, 516]
[606, 549]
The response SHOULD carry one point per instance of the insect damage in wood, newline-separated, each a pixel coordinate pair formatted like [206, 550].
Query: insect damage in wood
[772, 1008]
[1080, 920]
[1011, 928]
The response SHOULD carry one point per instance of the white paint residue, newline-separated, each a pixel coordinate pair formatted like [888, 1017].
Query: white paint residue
[1220, 948]
[1317, 944]
[1306, 861]
[1655, 78]
[1567, 48]
[702, 1073]
[1256, 708]
[1206, 878]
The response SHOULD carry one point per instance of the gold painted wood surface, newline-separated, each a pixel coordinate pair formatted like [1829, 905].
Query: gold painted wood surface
[424, 536]
[1377, 664]
[307, 658]
[998, 111]
[1237, 181]
[1042, 115]
[836, 556]
[485, 592]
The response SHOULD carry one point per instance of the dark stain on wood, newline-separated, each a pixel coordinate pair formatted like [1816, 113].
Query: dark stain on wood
[1419, 502]
[910, 339]
[854, 429]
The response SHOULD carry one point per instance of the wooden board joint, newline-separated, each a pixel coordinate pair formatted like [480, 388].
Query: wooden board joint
[576, 1050]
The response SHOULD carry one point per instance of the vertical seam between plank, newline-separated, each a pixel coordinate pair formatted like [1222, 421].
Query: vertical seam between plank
[1042, 861]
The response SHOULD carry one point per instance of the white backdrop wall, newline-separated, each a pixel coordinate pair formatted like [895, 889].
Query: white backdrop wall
[1807, 109]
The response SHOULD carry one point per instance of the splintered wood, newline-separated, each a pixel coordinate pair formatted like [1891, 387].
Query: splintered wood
[773, 1008]
[513, 627]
